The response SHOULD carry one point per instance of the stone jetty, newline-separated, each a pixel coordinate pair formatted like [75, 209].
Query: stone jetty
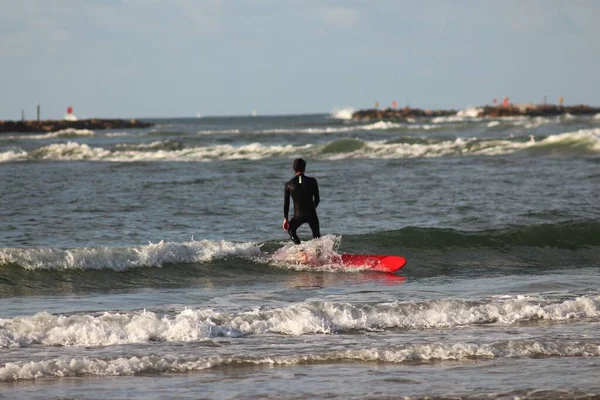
[533, 110]
[399, 114]
[57, 125]
[510, 110]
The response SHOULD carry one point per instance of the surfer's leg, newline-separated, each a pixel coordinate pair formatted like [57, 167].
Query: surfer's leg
[294, 225]
[313, 222]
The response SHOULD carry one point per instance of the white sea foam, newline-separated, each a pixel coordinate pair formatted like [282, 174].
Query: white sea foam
[109, 329]
[130, 365]
[310, 317]
[74, 151]
[322, 251]
[382, 149]
[314, 255]
[219, 131]
[586, 139]
[69, 151]
[123, 258]
[583, 140]
[13, 155]
[157, 144]
[252, 151]
[63, 133]
[118, 134]
[342, 113]
[379, 125]
[451, 118]
[425, 127]
[468, 114]
[535, 122]
[70, 132]
[529, 122]
[382, 125]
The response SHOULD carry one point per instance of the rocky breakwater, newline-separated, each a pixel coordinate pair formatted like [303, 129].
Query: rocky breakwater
[535, 110]
[57, 125]
[399, 114]
[510, 110]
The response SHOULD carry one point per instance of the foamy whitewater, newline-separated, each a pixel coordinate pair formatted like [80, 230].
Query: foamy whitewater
[151, 262]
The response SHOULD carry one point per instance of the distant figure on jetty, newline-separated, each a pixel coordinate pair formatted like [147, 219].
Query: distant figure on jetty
[70, 116]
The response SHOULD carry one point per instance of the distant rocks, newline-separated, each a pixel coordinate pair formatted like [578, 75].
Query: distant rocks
[399, 114]
[511, 110]
[57, 125]
[532, 110]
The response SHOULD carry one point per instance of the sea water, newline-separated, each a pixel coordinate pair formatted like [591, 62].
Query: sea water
[151, 263]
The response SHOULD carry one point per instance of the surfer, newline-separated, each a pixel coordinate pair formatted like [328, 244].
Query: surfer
[305, 192]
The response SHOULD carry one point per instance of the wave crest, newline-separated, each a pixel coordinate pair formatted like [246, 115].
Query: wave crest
[583, 142]
[307, 318]
[420, 353]
[124, 258]
[342, 113]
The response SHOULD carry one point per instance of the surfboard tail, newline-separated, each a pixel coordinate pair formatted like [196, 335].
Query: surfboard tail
[374, 262]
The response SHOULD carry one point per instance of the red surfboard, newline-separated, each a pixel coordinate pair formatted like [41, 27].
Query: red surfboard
[374, 262]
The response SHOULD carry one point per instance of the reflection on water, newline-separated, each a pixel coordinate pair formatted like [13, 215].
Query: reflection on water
[308, 280]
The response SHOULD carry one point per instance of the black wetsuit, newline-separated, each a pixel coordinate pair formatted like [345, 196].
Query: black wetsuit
[305, 192]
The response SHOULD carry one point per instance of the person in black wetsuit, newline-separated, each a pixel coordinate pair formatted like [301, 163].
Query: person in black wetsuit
[305, 192]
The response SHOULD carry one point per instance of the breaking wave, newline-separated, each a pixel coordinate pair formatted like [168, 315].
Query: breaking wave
[63, 133]
[157, 151]
[516, 241]
[159, 145]
[417, 353]
[317, 255]
[376, 126]
[342, 113]
[582, 142]
[124, 258]
[306, 318]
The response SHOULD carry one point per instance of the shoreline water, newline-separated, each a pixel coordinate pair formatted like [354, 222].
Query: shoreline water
[34, 126]
[152, 261]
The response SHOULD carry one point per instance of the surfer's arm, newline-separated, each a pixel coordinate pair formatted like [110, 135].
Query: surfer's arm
[316, 197]
[286, 208]
[286, 202]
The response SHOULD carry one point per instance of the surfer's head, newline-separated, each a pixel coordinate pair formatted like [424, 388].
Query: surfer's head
[299, 165]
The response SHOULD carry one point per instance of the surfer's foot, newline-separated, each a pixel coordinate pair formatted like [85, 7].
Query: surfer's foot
[303, 257]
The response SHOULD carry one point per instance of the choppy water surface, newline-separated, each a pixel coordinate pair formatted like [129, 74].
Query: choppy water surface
[153, 262]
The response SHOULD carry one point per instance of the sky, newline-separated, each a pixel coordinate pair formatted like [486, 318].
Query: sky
[177, 58]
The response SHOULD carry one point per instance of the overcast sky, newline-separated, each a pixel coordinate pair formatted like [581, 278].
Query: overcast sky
[161, 58]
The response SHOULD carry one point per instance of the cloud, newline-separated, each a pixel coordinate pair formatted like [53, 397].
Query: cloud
[206, 16]
[28, 28]
[339, 16]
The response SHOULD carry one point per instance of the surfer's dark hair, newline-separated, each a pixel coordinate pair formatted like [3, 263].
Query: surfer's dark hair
[299, 164]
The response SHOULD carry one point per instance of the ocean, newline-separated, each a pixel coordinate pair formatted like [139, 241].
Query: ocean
[151, 263]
